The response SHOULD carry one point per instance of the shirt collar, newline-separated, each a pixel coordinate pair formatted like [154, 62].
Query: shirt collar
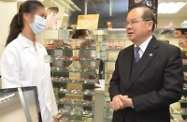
[27, 42]
[144, 45]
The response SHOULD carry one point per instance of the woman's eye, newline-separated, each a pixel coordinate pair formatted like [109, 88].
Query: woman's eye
[43, 16]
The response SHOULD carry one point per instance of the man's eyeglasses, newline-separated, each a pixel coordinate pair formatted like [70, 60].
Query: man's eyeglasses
[134, 21]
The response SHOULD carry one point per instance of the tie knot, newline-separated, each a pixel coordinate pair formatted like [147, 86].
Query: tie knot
[137, 49]
[136, 54]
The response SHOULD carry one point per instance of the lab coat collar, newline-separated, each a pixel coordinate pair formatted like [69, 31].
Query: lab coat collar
[27, 42]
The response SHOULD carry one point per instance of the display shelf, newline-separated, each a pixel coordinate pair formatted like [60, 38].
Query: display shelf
[67, 118]
[74, 93]
[73, 71]
[109, 119]
[68, 80]
[113, 61]
[56, 81]
[107, 107]
[107, 96]
[75, 60]
[71, 49]
[107, 84]
[73, 104]
[108, 72]
[177, 113]
[183, 101]
[108, 113]
[185, 89]
[76, 115]
[184, 50]
[113, 44]
[178, 109]
[113, 49]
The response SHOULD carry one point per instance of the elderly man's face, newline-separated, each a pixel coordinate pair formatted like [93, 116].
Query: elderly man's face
[138, 30]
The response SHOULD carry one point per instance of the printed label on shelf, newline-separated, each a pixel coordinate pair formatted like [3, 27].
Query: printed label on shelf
[100, 85]
[47, 59]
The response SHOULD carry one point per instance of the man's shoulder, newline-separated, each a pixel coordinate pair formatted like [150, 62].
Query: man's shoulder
[168, 49]
[167, 46]
[126, 49]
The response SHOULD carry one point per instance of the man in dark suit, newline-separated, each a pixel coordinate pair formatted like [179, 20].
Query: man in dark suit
[145, 81]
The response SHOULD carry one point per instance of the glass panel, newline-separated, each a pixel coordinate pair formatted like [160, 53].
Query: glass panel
[13, 107]
[31, 100]
[10, 106]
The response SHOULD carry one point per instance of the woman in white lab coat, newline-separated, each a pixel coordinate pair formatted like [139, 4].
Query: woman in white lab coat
[24, 60]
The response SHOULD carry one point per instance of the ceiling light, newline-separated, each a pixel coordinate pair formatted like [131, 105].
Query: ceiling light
[170, 7]
[73, 4]
[66, 5]
[66, 15]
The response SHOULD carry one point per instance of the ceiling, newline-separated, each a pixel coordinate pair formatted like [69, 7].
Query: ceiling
[102, 7]
[115, 14]
[181, 13]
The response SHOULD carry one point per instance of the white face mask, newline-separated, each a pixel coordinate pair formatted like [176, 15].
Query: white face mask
[38, 25]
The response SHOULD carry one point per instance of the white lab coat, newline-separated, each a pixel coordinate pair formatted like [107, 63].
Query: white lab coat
[23, 65]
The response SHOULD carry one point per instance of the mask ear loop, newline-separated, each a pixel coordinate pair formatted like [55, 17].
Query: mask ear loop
[28, 21]
[26, 18]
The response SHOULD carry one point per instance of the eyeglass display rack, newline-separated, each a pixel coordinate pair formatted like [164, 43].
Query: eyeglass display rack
[177, 110]
[114, 41]
[73, 72]
[75, 93]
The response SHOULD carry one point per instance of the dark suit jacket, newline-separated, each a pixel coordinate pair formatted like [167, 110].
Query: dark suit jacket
[153, 85]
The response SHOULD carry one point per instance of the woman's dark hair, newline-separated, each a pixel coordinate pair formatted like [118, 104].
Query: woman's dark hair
[16, 24]
[79, 32]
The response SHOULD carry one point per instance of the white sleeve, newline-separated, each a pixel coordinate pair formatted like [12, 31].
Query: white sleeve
[10, 68]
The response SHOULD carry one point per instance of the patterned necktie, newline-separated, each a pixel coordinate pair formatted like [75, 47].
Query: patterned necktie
[136, 54]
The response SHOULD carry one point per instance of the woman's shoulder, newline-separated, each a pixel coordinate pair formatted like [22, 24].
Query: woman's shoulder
[13, 44]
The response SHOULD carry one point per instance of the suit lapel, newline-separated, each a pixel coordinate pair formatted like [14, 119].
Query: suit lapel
[148, 55]
[128, 59]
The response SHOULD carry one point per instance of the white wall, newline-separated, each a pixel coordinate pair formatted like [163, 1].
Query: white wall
[8, 10]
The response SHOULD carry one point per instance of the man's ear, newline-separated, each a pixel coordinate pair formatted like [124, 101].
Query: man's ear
[150, 25]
